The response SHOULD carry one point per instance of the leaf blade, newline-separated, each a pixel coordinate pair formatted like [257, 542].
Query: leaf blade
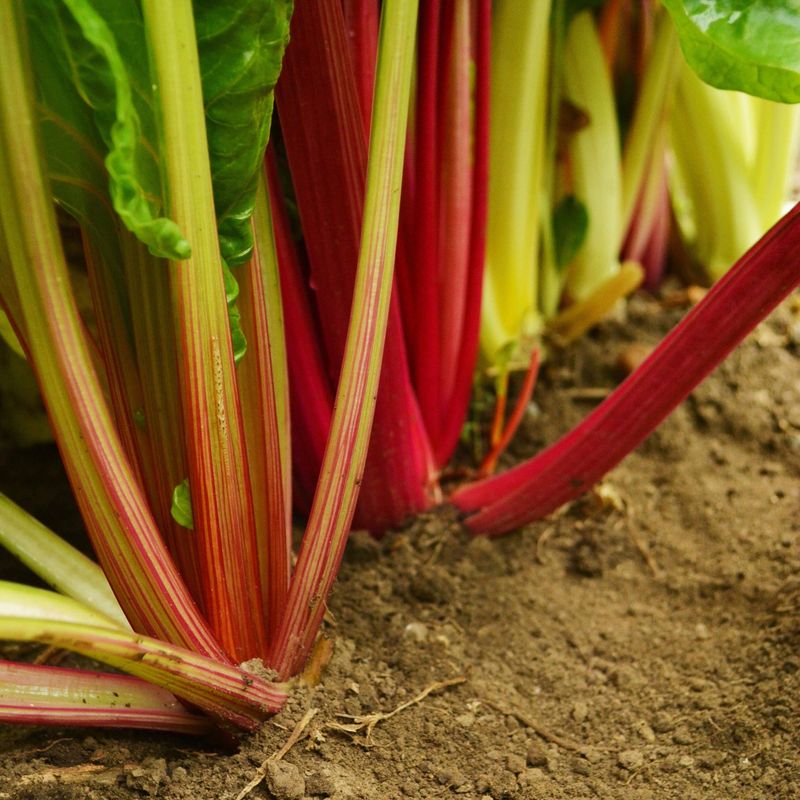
[751, 46]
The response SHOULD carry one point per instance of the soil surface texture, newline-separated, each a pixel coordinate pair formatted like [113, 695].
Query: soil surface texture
[643, 644]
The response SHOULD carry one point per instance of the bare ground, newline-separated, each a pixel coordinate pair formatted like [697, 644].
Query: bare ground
[641, 645]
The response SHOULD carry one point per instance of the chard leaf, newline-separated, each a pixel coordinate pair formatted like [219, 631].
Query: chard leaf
[182, 505]
[751, 46]
[241, 45]
[95, 94]
[570, 225]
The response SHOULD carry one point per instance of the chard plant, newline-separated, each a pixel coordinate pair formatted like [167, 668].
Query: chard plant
[295, 327]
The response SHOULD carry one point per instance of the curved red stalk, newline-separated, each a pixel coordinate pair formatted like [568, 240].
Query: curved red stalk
[361, 19]
[42, 695]
[455, 196]
[730, 310]
[422, 305]
[327, 150]
[457, 403]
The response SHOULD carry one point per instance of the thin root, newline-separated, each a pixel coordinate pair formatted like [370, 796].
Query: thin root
[367, 722]
[645, 553]
[544, 537]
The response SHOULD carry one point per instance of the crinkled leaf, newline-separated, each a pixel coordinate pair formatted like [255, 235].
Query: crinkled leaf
[94, 88]
[241, 45]
[570, 225]
[751, 46]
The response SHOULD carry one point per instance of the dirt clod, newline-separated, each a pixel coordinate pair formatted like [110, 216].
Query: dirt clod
[285, 781]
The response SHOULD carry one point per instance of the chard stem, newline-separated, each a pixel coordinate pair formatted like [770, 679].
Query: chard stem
[219, 480]
[345, 455]
[119, 522]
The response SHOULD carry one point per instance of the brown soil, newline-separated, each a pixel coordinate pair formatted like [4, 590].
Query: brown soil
[642, 645]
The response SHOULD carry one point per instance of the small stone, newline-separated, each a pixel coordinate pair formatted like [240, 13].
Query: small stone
[580, 711]
[682, 736]
[148, 777]
[768, 777]
[352, 706]
[645, 731]
[533, 775]
[458, 780]
[465, 720]
[416, 631]
[625, 677]
[179, 774]
[515, 763]
[536, 755]
[711, 759]
[445, 777]
[592, 755]
[580, 767]
[701, 631]
[662, 722]
[686, 761]
[285, 780]
[631, 759]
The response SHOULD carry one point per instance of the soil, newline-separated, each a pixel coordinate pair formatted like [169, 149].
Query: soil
[641, 645]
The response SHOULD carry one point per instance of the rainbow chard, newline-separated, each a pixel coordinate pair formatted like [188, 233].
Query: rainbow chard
[147, 124]
[445, 209]
[755, 52]
[170, 143]
[104, 145]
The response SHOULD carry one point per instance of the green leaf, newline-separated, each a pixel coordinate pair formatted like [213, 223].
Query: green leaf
[570, 225]
[95, 93]
[241, 45]
[234, 316]
[181, 509]
[751, 46]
